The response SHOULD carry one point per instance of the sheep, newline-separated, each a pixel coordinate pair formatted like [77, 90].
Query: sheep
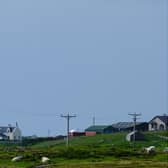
[18, 158]
[150, 149]
[44, 159]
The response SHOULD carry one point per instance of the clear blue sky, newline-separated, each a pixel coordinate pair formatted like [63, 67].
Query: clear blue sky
[86, 57]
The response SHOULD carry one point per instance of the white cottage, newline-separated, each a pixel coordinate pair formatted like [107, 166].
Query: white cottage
[10, 133]
[159, 123]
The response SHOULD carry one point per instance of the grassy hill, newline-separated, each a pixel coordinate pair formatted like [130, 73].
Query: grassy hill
[117, 140]
[99, 149]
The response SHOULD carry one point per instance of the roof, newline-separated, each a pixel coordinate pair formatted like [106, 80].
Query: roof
[125, 125]
[2, 135]
[163, 118]
[97, 128]
[4, 129]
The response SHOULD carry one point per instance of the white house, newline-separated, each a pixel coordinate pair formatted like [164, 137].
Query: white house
[10, 133]
[159, 123]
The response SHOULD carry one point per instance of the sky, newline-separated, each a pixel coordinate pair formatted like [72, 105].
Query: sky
[102, 58]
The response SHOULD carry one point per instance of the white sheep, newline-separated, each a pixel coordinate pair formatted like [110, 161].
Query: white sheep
[150, 149]
[18, 158]
[44, 159]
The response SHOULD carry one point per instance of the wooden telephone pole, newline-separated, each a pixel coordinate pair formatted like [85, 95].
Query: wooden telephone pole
[134, 115]
[67, 117]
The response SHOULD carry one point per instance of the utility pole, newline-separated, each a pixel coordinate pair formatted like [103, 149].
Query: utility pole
[48, 133]
[68, 117]
[94, 119]
[134, 115]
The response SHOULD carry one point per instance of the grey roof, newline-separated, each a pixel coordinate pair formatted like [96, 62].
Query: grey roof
[125, 125]
[2, 135]
[4, 129]
[163, 118]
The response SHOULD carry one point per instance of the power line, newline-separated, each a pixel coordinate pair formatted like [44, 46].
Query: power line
[67, 117]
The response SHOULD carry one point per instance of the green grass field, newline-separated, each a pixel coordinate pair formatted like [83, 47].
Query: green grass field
[110, 150]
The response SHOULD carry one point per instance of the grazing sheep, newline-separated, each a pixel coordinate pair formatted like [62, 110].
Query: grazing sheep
[150, 149]
[44, 159]
[18, 158]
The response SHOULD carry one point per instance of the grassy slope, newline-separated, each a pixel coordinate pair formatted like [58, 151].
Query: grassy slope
[84, 150]
[117, 140]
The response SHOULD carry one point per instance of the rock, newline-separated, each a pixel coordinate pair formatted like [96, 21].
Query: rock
[17, 158]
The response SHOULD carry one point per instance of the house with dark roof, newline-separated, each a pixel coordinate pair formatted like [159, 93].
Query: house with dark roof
[158, 123]
[10, 133]
[128, 126]
[100, 129]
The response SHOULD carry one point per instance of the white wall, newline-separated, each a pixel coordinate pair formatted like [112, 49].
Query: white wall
[15, 134]
[159, 122]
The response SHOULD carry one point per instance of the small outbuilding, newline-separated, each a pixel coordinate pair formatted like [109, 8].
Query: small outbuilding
[138, 136]
[89, 133]
[100, 129]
